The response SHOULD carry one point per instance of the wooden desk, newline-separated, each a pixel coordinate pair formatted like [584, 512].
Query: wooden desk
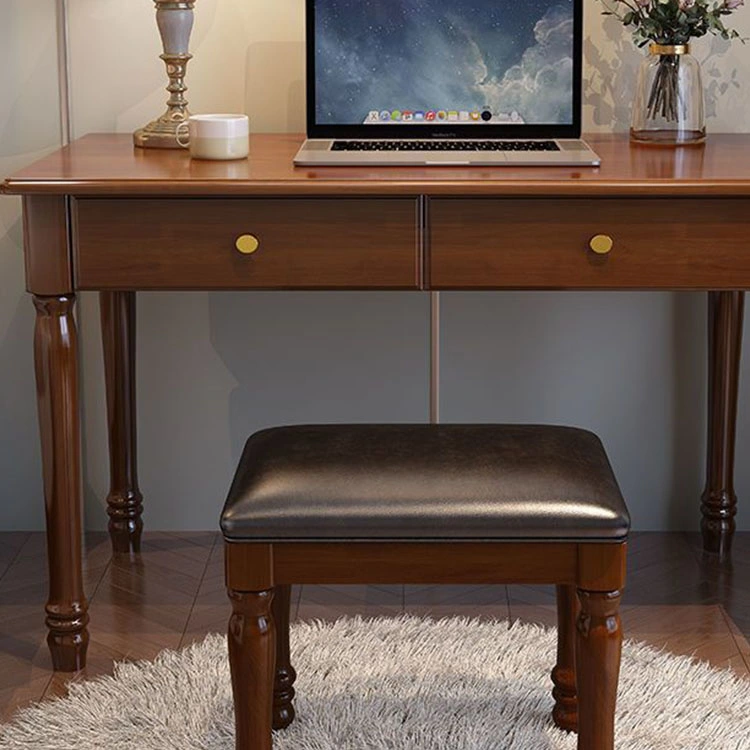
[101, 215]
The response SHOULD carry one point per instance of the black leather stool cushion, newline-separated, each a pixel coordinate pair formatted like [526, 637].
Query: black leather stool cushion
[422, 482]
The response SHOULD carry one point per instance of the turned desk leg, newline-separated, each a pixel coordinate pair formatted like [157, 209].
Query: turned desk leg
[718, 502]
[565, 712]
[598, 648]
[124, 502]
[56, 363]
[251, 641]
[283, 690]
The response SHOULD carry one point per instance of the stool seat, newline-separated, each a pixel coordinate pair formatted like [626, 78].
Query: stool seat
[424, 482]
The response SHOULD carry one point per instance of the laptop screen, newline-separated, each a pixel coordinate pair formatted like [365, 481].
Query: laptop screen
[418, 67]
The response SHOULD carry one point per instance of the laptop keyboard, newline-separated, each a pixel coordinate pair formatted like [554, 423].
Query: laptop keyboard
[440, 145]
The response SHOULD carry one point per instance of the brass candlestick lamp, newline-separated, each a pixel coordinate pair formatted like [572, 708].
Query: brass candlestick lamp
[175, 21]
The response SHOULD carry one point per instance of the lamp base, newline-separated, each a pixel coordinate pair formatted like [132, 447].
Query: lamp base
[160, 133]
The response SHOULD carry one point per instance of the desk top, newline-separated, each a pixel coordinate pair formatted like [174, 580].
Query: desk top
[108, 164]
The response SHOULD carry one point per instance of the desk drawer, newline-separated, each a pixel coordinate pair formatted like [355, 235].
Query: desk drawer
[301, 243]
[527, 243]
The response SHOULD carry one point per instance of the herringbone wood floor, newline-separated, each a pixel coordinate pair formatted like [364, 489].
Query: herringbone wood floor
[174, 594]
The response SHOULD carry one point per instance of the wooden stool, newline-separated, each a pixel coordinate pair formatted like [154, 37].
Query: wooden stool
[425, 504]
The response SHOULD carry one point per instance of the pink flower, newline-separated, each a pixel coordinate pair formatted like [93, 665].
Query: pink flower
[685, 4]
[643, 3]
[733, 4]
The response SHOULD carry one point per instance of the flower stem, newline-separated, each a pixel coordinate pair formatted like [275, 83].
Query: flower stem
[663, 100]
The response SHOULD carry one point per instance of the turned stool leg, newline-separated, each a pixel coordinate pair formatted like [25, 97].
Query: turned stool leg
[283, 690]
[565, 712]
[252, 647]
[598, 647]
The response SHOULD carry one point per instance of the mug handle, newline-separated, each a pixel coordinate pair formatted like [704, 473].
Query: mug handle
[178, 135]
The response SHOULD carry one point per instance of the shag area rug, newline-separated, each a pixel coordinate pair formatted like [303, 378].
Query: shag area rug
[392, 684]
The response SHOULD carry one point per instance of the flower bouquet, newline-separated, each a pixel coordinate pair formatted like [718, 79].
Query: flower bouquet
[668, 106]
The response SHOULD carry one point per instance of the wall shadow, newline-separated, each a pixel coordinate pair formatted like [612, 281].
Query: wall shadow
[21, 496]
[321, 357]
[599, 360]
[689, 353]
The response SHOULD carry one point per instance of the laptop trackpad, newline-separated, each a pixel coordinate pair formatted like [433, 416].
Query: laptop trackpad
[452, 157]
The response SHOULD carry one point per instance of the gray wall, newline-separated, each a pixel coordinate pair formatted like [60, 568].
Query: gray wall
[214, 367]
[631, 366]
[29, 128]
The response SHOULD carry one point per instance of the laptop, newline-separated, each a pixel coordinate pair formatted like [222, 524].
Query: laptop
[444, 82]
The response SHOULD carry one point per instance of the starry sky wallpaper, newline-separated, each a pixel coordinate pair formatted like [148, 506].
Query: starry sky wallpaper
[508, 55]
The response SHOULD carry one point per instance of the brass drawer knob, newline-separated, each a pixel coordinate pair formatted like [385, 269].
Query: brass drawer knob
[601, 244]
[247, 244]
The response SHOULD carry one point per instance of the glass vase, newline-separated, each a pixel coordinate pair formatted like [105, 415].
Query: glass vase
[668, 104]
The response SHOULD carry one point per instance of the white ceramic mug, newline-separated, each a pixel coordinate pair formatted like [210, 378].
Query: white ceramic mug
[216, 136]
